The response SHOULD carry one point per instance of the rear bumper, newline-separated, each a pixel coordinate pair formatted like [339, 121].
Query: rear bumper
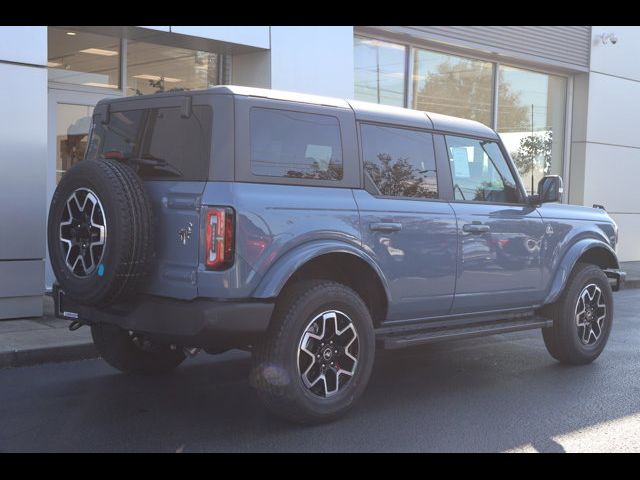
[617, 276]
[200, 322]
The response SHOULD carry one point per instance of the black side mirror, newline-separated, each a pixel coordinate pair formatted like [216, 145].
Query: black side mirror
[550, 189]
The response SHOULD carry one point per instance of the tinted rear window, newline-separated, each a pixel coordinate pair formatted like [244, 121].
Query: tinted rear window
[400, 162]
[295, 144]
[159, 141]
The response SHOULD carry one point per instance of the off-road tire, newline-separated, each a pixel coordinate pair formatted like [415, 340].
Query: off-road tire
[128, 251]
[275, 372]
[562, 339]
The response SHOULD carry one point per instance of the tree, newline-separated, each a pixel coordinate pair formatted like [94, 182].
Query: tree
[400, 178]
[464, 89]
[533, 148]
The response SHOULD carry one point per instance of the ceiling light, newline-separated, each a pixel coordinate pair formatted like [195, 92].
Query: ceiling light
[101, 85]
[99, 51]
[53, 64]
[155, 78]
[71, 34]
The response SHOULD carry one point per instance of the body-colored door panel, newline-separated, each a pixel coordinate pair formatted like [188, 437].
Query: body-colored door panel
[414, 243]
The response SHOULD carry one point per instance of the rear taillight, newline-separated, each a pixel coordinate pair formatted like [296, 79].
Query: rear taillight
[220, 238]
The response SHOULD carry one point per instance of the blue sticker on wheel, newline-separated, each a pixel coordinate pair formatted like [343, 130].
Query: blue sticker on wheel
[101, 270]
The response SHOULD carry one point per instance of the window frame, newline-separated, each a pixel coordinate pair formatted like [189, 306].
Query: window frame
[351, 177]
[413, 44]
[127, 104]
[365, 175]
[522, 196]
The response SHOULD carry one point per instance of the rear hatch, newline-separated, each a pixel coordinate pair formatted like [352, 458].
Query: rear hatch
[167, 140]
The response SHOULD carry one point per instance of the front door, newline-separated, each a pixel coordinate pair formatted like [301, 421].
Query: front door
[70, 115]
[406, 228]
[499, 235]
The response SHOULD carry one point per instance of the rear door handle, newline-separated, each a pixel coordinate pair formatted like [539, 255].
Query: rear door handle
[385, 226]
[475, 228]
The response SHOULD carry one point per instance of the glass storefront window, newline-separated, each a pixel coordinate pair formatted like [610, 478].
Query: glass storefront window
[155, 68]
[531, 108]
[72, 131]
[379, 71]
[83, 58]
[451, 85]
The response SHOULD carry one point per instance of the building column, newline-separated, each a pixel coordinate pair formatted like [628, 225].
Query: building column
[23, 137]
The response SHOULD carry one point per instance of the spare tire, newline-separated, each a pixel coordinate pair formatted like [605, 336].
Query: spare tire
[100, 232]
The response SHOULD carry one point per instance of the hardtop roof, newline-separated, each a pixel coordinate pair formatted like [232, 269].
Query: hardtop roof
[364, 111]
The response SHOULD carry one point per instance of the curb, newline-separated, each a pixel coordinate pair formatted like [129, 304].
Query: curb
[47, 354]
[630, 284]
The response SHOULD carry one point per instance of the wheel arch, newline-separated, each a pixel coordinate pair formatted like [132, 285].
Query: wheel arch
[330, 261]
[591, 251]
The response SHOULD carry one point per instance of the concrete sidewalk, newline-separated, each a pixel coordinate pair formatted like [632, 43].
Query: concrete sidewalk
[30, 341]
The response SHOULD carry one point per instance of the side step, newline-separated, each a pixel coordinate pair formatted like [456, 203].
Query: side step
[392, 341]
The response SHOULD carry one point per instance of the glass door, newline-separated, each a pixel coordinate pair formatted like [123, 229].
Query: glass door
[70, 115]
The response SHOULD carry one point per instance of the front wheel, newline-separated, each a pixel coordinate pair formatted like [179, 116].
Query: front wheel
[318, 354]
[582, 317]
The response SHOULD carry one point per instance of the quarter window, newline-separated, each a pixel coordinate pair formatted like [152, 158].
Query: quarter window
[480, 172]
[399, 162]
[295, 144]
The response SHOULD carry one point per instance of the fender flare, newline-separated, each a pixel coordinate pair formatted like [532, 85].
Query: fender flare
[282, 269]
[569, 261]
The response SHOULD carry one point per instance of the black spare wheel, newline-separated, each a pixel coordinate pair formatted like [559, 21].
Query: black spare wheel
[100, 232]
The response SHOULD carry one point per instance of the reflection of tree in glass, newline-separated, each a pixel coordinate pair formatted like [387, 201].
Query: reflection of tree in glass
[400, 178]
[532, 147]
[332, 172]
[463, 90]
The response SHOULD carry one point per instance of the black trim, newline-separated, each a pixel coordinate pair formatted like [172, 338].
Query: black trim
[199, 323]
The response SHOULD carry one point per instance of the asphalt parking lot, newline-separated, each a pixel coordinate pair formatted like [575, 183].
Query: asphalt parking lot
[501, 393]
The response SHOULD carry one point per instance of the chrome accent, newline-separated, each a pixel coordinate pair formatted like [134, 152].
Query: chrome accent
[184, 234]
[591, 311]
[328, 352]
[82, 233]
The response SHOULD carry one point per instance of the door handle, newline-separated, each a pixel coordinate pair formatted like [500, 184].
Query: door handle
[475, 228]
[385, 226]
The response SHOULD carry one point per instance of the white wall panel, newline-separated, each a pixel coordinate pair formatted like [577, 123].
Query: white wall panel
[620, 59]
[614, 110]
[612, 177]
[23, 44]
[317, 60]
[628, 234]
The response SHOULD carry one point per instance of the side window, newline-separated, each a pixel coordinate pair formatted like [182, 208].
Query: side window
[176, 146]
[295, 144]
[400, 162]
[480, 172]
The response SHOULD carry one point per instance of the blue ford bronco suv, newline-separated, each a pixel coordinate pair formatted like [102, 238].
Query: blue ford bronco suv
[312, 231]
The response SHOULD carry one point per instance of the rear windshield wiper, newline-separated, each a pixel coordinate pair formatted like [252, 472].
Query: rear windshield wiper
[156, 163]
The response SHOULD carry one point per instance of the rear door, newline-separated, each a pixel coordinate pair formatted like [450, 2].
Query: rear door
[169, 140]
[406, 227]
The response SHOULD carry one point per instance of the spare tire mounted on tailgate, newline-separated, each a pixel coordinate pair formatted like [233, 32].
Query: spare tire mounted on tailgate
[100, 232]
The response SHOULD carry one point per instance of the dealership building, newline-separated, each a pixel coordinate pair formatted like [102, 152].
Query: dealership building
[563, 98]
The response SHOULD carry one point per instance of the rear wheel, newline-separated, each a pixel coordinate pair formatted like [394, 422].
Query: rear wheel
[133, 353]
[318, 354]
[582, 317]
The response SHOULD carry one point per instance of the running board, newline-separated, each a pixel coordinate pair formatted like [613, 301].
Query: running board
[400, 340]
